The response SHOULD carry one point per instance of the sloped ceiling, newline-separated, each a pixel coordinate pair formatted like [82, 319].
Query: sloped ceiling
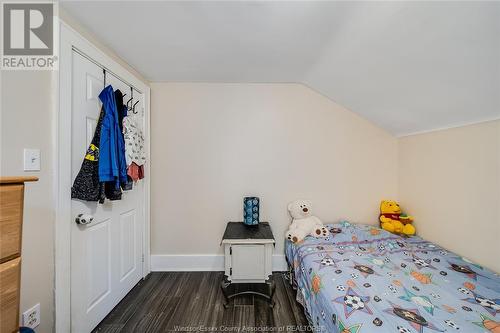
[405, 66]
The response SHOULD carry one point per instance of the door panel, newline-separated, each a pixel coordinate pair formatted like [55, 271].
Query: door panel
[106, 255]
[127, 252]
[248, 261]
[98, 262]
[94, 86]
[91, 124]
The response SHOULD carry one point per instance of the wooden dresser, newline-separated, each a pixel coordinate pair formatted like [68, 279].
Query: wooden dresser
[11, 220]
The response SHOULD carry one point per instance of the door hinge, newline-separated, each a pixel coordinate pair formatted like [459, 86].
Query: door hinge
[231, 271]
[143, 258]
[230, 250]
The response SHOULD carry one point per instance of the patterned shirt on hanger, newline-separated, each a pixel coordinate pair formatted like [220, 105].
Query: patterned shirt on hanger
[134, 142]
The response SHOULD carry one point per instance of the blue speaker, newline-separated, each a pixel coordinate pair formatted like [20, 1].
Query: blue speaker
[251, 210]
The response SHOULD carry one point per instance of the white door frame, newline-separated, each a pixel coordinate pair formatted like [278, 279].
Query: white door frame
[69, 38]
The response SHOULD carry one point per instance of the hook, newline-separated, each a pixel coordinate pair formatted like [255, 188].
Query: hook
[133, 109]
[131, 98]
[104, 73]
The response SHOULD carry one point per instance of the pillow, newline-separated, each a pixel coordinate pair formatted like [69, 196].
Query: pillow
[346, 231]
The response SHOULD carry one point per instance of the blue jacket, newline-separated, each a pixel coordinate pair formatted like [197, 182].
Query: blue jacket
[112, 164]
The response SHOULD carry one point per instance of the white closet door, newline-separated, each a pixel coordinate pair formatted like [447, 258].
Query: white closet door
[106, 255]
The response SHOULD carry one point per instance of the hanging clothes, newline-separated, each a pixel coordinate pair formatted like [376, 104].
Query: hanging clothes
[122, 113]
[112, 162]
[134, 147]
[135, 171]
[120, 108]
[87, 185]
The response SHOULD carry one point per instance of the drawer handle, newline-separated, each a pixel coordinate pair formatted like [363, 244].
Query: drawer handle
[84, 219]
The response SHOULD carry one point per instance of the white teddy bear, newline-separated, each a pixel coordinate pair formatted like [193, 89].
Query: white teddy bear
[303, 223]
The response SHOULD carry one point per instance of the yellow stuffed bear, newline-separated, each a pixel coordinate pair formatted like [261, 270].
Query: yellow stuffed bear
[392, 220]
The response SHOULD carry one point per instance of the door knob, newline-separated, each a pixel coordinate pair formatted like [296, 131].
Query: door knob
[84, 219]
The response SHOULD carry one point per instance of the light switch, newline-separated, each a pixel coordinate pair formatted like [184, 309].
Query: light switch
[31, 159]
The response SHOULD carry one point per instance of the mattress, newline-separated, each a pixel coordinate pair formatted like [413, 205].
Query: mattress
[364, 279]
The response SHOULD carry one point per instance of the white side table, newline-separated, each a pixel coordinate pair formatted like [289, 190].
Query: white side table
[248, 254]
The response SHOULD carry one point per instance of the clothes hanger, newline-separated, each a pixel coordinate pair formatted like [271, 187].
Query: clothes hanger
[104, 73]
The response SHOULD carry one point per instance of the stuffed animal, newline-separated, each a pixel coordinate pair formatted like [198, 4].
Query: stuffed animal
[392, 220]
[303, 223]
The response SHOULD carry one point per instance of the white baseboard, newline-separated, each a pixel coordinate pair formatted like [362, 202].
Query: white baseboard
[183, 263]
[200, 262]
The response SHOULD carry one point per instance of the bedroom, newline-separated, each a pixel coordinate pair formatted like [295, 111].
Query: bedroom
[343, 104]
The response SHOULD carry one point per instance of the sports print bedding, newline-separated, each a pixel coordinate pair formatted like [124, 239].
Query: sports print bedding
[364, 279]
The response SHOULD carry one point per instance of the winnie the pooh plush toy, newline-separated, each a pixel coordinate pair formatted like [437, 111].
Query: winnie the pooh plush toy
[392, 220]
[303, 223]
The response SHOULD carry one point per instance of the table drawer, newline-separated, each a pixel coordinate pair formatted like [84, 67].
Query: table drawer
[9, 295]
[11, 217]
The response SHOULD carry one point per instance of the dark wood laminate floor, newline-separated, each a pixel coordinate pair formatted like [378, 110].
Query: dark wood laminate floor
[193, 301]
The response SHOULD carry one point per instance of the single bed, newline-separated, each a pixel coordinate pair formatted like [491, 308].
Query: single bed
[364, 279]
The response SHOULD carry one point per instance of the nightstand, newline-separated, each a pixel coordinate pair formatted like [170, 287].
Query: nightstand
[248, 254]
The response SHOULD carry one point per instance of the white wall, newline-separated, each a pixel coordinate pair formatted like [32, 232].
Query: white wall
[450, 181]
[27, 122]
[213, 144]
